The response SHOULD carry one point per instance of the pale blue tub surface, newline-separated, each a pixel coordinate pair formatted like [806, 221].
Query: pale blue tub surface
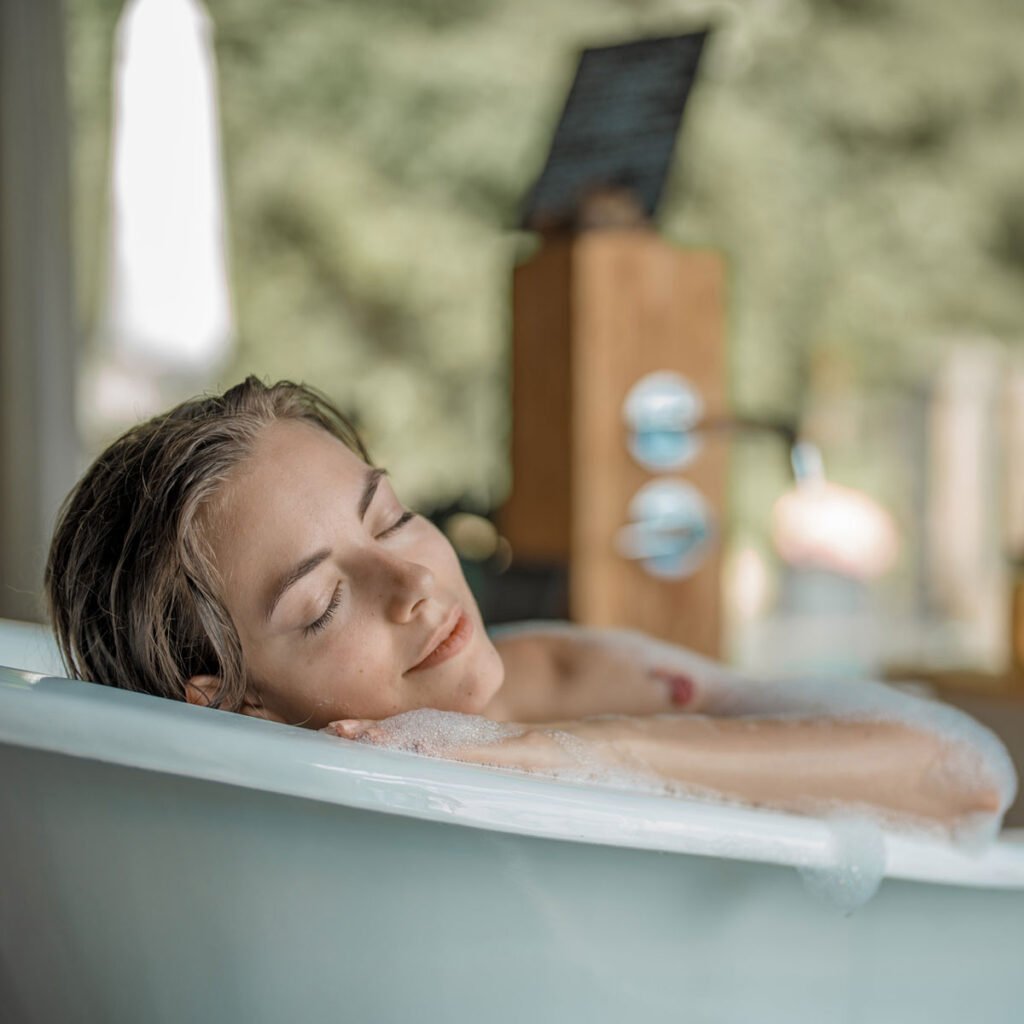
[164, 863]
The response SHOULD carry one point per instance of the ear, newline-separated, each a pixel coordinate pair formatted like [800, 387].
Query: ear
[200, 689]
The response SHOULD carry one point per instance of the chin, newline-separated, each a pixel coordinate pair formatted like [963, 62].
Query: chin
[486, 679]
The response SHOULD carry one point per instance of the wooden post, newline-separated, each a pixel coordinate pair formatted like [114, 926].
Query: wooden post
[593, 313]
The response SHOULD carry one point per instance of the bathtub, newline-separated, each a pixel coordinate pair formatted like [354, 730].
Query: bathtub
[167, 863]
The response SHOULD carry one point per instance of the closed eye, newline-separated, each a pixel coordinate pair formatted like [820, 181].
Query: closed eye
[397, 525]
[321, 623]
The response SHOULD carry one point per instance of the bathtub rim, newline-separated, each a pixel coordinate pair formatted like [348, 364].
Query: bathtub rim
[99, 723]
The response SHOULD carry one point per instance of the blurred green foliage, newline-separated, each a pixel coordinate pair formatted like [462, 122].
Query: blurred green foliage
[858, 161]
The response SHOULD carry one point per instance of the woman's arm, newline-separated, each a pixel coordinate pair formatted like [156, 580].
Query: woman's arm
[797, 765]
[801, 745]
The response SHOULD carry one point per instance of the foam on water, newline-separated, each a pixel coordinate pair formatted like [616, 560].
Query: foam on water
[439, 733]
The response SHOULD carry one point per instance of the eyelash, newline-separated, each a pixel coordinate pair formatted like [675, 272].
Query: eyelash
[332, 607]
[397, 525]
[315, 627]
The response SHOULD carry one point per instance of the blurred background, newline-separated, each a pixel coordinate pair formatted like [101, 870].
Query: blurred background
[348, 214]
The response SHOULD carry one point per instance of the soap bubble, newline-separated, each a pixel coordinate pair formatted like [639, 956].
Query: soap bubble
[857, 851]
[439, 733]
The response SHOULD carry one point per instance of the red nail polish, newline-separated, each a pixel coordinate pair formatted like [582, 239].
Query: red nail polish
[681, 688]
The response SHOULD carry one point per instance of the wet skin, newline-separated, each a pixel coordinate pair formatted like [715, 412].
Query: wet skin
[338, 593]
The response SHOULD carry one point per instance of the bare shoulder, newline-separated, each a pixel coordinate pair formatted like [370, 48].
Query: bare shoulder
[539, 662]
[528, 653]
[562, 671]
[551, 649]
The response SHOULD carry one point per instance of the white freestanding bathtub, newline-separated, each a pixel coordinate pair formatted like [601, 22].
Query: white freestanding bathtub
[166, 863]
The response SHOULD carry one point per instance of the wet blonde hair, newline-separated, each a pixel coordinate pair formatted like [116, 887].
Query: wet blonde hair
[132, 591]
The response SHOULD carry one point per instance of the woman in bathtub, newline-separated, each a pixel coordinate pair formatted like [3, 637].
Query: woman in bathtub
[242, 552]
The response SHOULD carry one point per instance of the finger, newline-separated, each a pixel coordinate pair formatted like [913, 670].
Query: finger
[682, 689]
[349, 728]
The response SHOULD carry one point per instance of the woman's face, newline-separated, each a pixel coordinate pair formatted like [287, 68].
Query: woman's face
[347, 605]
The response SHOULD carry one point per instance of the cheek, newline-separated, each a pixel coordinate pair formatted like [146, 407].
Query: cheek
[358, 673]
[296, 680]
[439, 546]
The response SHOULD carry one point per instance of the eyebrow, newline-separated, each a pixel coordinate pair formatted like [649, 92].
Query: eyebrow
[373, 479]
[307, 565]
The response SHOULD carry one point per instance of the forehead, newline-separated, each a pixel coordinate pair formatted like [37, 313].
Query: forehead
[270, 502]
[296, 452]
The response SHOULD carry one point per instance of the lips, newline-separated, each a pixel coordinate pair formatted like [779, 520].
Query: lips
[451, 638]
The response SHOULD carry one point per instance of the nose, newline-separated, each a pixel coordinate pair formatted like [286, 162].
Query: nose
[409, 585]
